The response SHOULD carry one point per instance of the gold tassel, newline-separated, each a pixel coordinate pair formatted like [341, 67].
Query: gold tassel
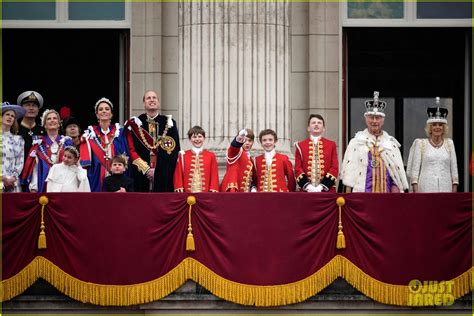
[190, 241]
[190, 246]
[341, 240]
[43, 200]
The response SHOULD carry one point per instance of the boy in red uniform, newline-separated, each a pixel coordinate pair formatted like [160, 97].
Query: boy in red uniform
[240, 165]
[196, 168]
[316, 164]
[274, 171]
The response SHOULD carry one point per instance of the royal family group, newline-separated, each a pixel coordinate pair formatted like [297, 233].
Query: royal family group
[54, 154]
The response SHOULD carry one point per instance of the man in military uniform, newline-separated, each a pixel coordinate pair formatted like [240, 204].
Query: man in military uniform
[373, 162]
[154, 146]
[32, 102]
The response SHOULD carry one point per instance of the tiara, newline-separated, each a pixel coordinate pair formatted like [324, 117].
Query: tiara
[103, 100]
[46, 113]
[73, 149]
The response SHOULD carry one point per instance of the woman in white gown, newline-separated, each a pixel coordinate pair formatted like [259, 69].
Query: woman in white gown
[12, 147]
[68, 176]
[432, 165]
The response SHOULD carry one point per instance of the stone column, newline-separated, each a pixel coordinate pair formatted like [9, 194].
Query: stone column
[233, 70]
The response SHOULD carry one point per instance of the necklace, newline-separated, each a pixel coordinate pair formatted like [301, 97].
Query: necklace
[374, 162]
[105, 148]
[45, 155]
[165, 142]
[436, 145]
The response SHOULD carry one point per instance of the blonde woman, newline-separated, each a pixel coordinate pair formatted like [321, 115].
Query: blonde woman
[46, 151]
[432, 164]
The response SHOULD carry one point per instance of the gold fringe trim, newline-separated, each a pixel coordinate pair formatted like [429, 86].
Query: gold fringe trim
[394, 294]
[86, 292]
[272, 295]
[189, 268]
[21, 281]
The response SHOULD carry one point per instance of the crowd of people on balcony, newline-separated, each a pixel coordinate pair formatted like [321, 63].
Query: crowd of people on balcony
[145, 155]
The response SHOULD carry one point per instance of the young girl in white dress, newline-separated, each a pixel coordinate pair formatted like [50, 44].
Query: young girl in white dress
[68, 176]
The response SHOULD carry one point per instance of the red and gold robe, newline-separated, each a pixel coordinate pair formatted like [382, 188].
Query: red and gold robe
[316, 163]
[279, 178]
[195, 173]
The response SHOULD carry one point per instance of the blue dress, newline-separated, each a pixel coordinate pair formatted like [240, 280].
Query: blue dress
[97, 150]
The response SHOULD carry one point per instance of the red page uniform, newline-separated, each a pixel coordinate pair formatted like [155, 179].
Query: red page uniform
[196, 173]
[279, 177]
[240, 169]
[316, 163]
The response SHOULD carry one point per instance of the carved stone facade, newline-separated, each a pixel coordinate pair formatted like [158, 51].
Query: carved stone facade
[230, 65]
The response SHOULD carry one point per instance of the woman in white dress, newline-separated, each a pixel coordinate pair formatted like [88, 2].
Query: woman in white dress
[432, 165]
[68, 176]
[12, 147]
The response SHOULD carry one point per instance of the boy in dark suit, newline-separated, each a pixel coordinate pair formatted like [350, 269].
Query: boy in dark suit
[118, 182]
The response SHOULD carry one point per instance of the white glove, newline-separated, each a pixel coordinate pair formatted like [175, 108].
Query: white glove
[312, 188]
[241, 137]
[253, 189]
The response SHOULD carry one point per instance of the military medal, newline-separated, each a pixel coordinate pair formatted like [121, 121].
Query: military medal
[168, 144]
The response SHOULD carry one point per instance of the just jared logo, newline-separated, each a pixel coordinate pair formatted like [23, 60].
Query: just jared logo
[430, 293]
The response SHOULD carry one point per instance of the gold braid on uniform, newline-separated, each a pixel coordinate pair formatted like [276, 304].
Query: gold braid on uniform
[142, 165]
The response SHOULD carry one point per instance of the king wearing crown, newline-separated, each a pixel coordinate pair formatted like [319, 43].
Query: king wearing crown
[372, 161]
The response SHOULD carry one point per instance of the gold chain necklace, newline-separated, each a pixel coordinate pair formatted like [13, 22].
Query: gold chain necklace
[155, 144]
[98, 141]
[45, 155]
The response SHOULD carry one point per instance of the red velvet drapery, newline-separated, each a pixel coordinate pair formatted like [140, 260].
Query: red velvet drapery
[283, 244]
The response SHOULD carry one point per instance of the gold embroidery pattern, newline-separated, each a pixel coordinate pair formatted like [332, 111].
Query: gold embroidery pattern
[267, 179]
[247, 178]
[197, 178]
[316, 162]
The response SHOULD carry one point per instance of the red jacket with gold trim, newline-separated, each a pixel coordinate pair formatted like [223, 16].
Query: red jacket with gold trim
[196, 173]
[240, 170]
[280, 178]
[326, 166]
